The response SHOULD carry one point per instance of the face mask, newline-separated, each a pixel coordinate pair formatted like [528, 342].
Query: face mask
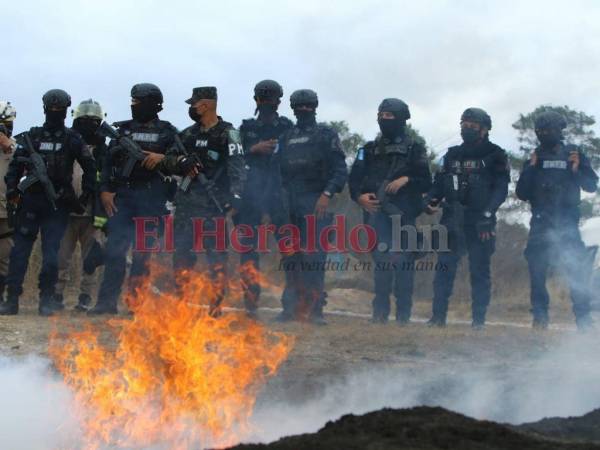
[550, 138]
[87, 128]
[266, 109]
[194, 114]
[391, 128]
[469, 135]
[144, 112]
[55, 119]
[305, 117]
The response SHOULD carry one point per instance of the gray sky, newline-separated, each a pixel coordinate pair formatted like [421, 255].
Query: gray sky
[439, 56]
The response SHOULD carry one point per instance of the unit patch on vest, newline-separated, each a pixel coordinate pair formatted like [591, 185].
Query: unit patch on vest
[201, 142]
[471, 164]
[145, 137]
[554, 164]
[299, 140]
[50, 146]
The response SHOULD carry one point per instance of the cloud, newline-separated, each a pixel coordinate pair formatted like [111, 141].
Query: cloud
[439, 56]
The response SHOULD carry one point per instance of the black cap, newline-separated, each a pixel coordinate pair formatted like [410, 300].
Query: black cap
[202, 93]
[477, 115]
[147, 90]
[56, 98]
[396, 106]
[550, 119]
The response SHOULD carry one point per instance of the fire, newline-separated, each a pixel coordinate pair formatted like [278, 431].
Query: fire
[171, 376]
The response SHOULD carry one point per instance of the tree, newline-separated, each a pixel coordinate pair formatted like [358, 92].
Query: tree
[350, 141]
[578, 132]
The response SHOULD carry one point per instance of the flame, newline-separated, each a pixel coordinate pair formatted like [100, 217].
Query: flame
[172, 375]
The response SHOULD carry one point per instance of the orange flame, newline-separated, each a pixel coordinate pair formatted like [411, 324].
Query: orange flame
[172, 375]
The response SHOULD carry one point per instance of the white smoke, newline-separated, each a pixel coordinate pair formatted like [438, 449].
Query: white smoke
[562, 382]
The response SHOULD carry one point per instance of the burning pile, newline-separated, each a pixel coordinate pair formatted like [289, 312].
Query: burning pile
[170, 376]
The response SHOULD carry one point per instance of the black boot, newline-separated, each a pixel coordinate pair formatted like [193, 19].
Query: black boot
[435, 321]
[102, 308]
[10, 307]
[47, 306]
[84, 303]
[58, 302]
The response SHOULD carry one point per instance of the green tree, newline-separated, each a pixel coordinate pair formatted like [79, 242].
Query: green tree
[578, 132]
[350, 141]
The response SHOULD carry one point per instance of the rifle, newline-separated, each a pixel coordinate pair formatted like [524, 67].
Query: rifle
[133, 150]
[38, 173]
[207, 184]
[386, 206]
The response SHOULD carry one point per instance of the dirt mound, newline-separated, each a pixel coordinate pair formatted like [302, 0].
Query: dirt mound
[584, 428]
[421, 428]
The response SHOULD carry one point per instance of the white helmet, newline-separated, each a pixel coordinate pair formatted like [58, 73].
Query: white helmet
[7, 112]
[88, 108]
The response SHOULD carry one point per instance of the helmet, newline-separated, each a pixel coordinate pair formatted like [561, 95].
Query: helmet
[56, 98]
[7, 112]
[304, 97]
[268, 89]
[550, 119]
[477, 115]
[396, 106]
[147, 90]
[88, 108]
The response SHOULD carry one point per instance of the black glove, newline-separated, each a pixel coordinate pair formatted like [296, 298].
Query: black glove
[485, 225]
[12, 195]
[186, 164]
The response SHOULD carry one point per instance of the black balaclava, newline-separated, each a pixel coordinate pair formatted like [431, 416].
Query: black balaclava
[9, 125]
[392, 128]
[87, 127]
[470, 136]
[550, 138]
[145, 111]
[266, 109]
[55, 119]
[305, 118]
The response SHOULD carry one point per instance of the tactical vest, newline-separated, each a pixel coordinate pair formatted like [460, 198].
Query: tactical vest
[385, 161]
[155, 137]
[303, 159]
[469, 179]
[54, 148]
[554, 185]
[253, 131]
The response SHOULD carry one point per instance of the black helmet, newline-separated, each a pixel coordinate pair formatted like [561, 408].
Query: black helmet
[550, 119]
[477, 115]
[56, 98]
[396, 106]
[147, 90]
[268, 89]
[304, 97]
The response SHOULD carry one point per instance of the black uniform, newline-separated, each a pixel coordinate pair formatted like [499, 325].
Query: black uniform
[143, 194]
[59, 147]
[553, 191]
[309, 162]
[377, 163]
[220, 153]
[473, 182]
[256, 198]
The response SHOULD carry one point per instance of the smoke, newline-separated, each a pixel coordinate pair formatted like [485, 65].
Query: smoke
[563, 381]
[35, 406]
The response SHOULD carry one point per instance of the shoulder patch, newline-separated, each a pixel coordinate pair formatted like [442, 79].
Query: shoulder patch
[234, 142]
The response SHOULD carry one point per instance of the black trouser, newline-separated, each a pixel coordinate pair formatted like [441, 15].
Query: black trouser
[304, 292]
[394, 270]
[36, 215]
[564, 249]
[480, 255]
[131, 202]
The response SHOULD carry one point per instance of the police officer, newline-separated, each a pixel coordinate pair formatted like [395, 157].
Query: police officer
[143, 194]
[212, 155]
[8, 115]
[309, 168]
[59, 147]
[473, 183]
[551, 181]
[388, 178]
[87, 117]
[259, 138]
